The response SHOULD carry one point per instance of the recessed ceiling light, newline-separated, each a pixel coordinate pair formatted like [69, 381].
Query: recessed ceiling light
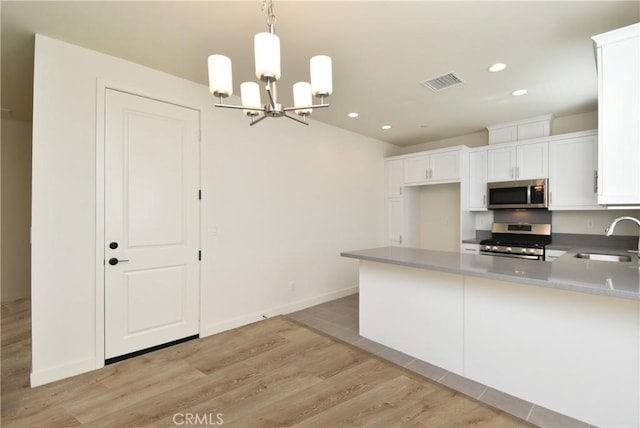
[519, 92]
[498, 66]
[353, 114]
[385, 127]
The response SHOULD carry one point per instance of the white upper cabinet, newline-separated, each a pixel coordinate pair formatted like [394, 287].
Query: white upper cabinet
[532, 161]
[618, 62]
[573, 164]
[526, 129]
[436, 167]
[518, 162]
[478, 180]
[394, 178]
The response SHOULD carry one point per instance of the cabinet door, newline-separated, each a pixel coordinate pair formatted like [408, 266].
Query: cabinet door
[478, 181]
[445, 166]
[501, 164]
[394, 177]
[416, 170]
[618, 113]
[533, 130]
[532, 161]
[395, 221]
[507, 134]
[572, 173]
[471, 249]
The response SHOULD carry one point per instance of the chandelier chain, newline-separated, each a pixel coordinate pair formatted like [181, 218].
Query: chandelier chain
[267, 9]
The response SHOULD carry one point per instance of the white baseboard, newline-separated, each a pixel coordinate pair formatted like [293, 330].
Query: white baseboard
[221, 326]
[64, 371]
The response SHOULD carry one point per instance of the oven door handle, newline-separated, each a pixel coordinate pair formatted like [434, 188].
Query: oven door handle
[514, 256]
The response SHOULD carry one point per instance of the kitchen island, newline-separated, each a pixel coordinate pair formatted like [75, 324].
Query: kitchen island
[564, 335]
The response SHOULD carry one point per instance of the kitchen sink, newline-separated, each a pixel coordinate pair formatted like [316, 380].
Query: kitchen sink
[604, 257]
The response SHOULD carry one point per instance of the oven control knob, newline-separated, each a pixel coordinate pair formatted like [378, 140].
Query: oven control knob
[524, 250]
[508, 249]
[487, 247]
[494, 248]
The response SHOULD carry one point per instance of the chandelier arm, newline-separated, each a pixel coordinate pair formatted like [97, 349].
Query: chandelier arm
[239, 107]
[260, 119]
[305, 107]
[304, 122]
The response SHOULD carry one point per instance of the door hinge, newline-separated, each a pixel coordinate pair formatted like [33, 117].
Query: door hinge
[199, 255]
[199, 195]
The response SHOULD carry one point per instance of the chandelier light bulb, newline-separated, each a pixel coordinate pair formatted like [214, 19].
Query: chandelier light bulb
[267, 55]
[302, 97]
[250, 94]
[220, 80]
[321, 76]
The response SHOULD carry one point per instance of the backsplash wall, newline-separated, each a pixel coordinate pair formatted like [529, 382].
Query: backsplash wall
[580, 222]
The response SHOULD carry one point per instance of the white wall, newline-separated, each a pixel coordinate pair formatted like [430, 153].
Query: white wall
[280, 201]
[16, 209]
[440, 217]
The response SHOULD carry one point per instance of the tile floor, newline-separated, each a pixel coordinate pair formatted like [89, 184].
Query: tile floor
[339, 318]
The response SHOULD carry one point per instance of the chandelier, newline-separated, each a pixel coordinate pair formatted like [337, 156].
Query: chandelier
[267, 67]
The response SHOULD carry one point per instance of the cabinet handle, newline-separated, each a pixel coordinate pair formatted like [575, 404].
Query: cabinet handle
[401, 190]
[517, 171]
[400, 239]
[426, 174]
[550, 197]
[484, 199]
[513, 172]
[595, 182]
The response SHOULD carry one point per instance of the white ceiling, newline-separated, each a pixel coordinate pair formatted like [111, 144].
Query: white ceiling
[381, 52]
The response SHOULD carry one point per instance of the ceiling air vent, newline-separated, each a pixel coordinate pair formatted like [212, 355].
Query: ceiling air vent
[443, 82]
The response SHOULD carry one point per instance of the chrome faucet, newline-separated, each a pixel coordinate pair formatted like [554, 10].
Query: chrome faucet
[609, 231]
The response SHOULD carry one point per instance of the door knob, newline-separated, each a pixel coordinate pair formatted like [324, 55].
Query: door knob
[114, 261]
[113, 245]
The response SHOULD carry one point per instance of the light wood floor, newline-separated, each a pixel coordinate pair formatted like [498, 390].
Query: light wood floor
[271, 373]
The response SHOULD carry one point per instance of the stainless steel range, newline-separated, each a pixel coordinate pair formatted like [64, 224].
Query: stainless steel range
[519, 240]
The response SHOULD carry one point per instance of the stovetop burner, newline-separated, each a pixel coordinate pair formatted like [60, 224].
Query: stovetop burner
[517, 240]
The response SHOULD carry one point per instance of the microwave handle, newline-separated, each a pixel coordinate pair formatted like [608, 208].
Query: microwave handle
[528, 195]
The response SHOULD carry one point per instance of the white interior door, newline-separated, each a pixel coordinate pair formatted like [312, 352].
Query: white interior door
[151, 223]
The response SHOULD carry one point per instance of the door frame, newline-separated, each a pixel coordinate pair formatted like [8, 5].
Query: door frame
[101, 88]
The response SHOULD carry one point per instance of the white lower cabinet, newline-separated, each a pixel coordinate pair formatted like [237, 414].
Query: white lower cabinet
[551, 255]
[470, 248]
[573, 166]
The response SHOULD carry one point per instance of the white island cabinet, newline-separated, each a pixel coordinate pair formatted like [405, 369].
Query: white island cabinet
[562, 335]
[618, 62]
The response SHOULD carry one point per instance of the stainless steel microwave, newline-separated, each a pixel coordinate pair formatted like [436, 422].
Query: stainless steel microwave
[517, 194]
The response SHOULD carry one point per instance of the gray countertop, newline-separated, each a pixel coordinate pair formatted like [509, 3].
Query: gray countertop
[620, 280]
